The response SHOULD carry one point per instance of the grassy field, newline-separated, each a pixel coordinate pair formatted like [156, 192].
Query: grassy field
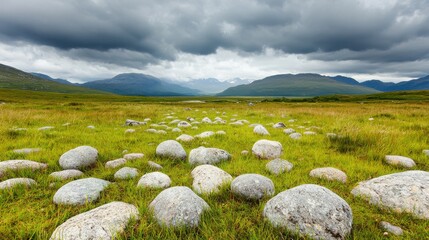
[400, 128]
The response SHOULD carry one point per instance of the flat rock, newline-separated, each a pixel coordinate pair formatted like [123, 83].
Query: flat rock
[203, 155]
[171, 149]
[79, 192]
[27, 150]
[66, 174]
[183, 124]
[252, 186]
[133, 156]
[395, 230]
[401, 161]
[295, 136]
[401, 192]
[178, 207]
[185, 138]
[289, 131]
[209, 179]
[329, 173]
[115, 163]
[278, 166]
[16, 165]
[205, 134]
[266, 149]
[130, 122]
[310, 210]
[154, 180]
[11, 183]
[104, 222]
[126, 173]
[79, 158]
[154, 165]
[260, 130]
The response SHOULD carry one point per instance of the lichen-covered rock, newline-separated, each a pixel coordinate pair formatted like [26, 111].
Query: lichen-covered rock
[209, 179]
[126, 173]
[178, 207]
[66, 174]
[252, 186]
[185, 138]
[133, 156]
[310, 210]
[16, 165]
[395, 230]
[10, 183]
[329, 173]
[115, 163]
[184, 124]
[171, 149]
[289, 131]
[103, 222]
[295, 136]
[154, 165]
[205, 134]
[279, 125]
[401, 192]
[278, 166]
[204, 155]
[79, 192]
[260, 130]
[154, 180]
[400, 161]
[266, 149]
[79, 158]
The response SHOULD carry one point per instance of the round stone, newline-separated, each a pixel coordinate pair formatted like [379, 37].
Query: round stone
[260, 130]
[154, 180]
[401, 161]
[204, 155]
[209, 179]
[79, 192]
[13, 182]
[79, 158]
[126, 173]
[66, 174]
[252, 186]
[171, 149]
[329, 173]
[266, 149]
[278, 166]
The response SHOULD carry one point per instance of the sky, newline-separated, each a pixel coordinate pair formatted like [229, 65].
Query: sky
[85, 40]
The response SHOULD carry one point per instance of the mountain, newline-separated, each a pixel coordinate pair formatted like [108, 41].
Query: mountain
[377, 84]
[415, 84]
[213, 85]
[137, 84]
[58, 80]
[347, 80]
[306, 84]
[12, 78]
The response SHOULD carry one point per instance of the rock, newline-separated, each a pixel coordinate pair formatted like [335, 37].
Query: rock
[329, 173]
[147, 119]
[209, 179]
[79, 158]
[295, 136]
[154, 165]
[205, 134]
[13, 182]
[237, 123]
[104, 222]
[244, 152]
[289, 131]
[185, 138]
[151, 130]
[310, 210]
[400, 161]
[261, 130]
[130, 130]
[162, 132]
[115, 163]
[194, 127]
[395, 230]
[174, 122]
[426, 152]
[331, 135]
[278, 166]
[206, 120]
[133, 156]
[291, 120]
[130, 122]
[46, 128]
[252, 186]
[81, 191]
[178, 207]
[309, 133]
[279, 125]
[220, 132]
[171, 149]
[126, 173]
[66, 124]
[16, 165]
[176, 130]
[184, 124]
[204, 155]
[371, 119]
[154, 180]
[91, 127]
[27, 150]
[66, 174]
[401, 192]
[266, 149]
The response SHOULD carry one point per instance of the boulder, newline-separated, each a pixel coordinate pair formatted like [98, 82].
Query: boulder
[310, 210]
[204, 155]
[79, 192]
[171, 149]
[329, 173]
[13, 182]
[209, 179]
[184, 124]
[279, 125]
[66, 174]
[154, 165]
[278, 166]
[16, 165]
[260, 130]
[133, 156]
[130, 122]
[79, 158]
[206, 120]
[252, 186]
[289, 131]
[401, 161]
[266, 149]
[115, 163]
[295, 136]
[205, 134]
[185, 138]
[154, 180]
[126, 173]
[395, 230]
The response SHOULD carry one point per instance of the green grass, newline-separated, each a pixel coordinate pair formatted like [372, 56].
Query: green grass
[398, 128]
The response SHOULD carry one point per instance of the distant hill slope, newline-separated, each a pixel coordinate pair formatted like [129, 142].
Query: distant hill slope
[344, 79]
[12, 78]
[415, 84]
[213, 85]
[58, 80]
[135, 84]
[296, 85]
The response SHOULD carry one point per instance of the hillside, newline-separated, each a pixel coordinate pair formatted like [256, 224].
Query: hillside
[12, 78]
[415, 84]
[58, 80]
[135, 84]
[296, 85]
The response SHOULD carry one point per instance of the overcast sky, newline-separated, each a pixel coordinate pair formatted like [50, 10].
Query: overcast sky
[84, 40]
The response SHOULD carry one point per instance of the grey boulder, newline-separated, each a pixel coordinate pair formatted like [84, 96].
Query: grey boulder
[209, 179]
[154, 180]
[11, 183]
[66, 174]
[204, 155]
[278, 166]
[395, 230]
[80, 191]
[15, 165]
[266, 149]
[260, 130]
[329, 173]
[401, 161]
[295, 136]
[252, 186]
[171, 149]
[126, 173]
[79, 158]
[115, 163]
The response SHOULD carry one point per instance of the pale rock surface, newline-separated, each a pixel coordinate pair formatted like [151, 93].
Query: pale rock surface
[266, 149]
[79, 158]
[209, 179]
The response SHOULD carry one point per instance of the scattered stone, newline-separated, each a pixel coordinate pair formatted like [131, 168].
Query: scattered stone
[309, 133]
[202, 155]
[174, 122]
[91, 127]
[185, 138]
[331, 135]
[206, 120]
[178, 207]
[46, 128]
[154, 180]
[289, 131]
[79, 157]
[154, 165]
[329, 173]
[251, 104]
[151, 130]
[220, 132]
[279, 125]
[395, 230]
[162, 132]
[278, 166]
[295, 136]
[252, 186]
[291, 120]
[310, 210]
[66, 174]
[104, 222]
[267, 149]
[209, 179]
[116, 163]
[261, 130]
[147, 119]
[401, 192]
[401, 161]
[133, 156]
[15, 165]
[371, 119]
[426, 152]
[66, 124]
[171, 149]
[195, 122]
[237, 123]
[130, 122]
[184, 124]
[11, 183]
[205, 134]
[194, 127]
[79, 192]
[126, 173]
[244, 152]
[176, 130]
[130, 130]
[27, 150]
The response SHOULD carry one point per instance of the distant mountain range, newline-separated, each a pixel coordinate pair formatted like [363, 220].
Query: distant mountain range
[306, 84]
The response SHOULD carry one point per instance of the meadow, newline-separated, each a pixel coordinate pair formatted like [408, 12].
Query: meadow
[398, 128]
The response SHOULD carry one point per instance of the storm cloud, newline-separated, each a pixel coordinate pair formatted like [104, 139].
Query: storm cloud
[330, 36]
